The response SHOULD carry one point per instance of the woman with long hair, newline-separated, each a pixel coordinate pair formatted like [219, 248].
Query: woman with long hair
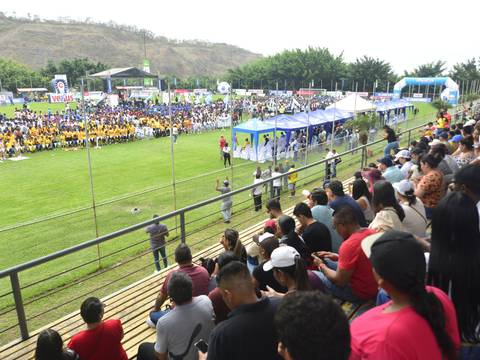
[388, 212]
[231, 242]
[289, 236]
[363, 197]
[50, 347]
[465, 152]
[430, 187]
[419, 322]
[454, 263]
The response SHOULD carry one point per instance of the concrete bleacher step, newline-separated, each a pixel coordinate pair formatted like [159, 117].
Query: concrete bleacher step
[132, 304]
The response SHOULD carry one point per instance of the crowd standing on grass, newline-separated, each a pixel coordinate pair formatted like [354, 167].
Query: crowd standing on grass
[411, 245]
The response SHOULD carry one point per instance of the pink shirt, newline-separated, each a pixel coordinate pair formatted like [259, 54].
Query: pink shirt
[399, 335]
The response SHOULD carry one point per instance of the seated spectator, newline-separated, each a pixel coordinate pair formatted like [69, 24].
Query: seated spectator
[437, 149]
[465, 152]
[454, 262]
[389, 171]
[348, 274]
[415, 170]
[419, 322]
[189, 321]
[429, 188]
[231, 242]
[315, 234]
[289, 269]
[372, 175]
[50, 347]
[363, 197]
[467, 180]
[311, 326]
[403, 157]
[261, 278]
[415, 221]
[198, 274]
[251, 319]
[221, 309]
[388, 212]
[323, 213]
[338, 199]
[274, 210]
[102, 339]
[290, 237]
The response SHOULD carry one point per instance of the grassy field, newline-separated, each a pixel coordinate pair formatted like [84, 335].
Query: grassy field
[42, 192]
[10, 109]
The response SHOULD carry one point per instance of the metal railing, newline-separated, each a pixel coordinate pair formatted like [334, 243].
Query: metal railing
[359, 161]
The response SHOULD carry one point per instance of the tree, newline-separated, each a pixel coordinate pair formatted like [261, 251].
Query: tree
[375, 73]
[74, 69]
[466, 71]
[14, 75]
[432, 69]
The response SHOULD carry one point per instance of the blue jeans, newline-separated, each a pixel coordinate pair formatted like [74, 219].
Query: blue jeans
[156, 255]
[390, 146]
[343, 293]
[155, 315]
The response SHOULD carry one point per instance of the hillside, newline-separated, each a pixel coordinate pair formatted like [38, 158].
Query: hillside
[34, 42]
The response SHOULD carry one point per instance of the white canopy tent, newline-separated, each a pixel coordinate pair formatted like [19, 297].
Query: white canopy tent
[353, 103]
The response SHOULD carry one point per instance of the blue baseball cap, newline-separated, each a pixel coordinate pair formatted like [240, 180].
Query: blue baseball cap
[387, 161]
[456, 138]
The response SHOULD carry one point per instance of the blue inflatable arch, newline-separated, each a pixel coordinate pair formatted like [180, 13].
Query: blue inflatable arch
[450, 94]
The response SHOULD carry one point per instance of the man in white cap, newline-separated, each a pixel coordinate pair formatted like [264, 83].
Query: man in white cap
[403, 157]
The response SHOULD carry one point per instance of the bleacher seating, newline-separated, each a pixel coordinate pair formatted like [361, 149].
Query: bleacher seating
[133, 303]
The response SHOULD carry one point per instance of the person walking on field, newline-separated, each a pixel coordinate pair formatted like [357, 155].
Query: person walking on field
[292, 180]
[158, 232]
[226, 155]
[257, 192]
[222, 143]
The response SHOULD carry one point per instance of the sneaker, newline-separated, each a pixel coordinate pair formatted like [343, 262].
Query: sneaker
[150, 323]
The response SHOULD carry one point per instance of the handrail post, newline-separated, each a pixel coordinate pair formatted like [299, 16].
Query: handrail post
[409, 137]
[182, 227]
[17, 296]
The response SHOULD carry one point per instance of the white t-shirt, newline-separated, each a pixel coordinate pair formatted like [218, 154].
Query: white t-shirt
[415, 220]
[406, 168]
[277, 182]
[257, 190]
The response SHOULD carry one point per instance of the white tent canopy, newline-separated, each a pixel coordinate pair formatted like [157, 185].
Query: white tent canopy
[353, 103]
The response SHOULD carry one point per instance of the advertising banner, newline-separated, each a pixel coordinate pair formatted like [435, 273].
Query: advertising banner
[60, 98]
[416, 99]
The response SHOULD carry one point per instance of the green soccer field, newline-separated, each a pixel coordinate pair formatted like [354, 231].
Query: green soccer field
[47, 200]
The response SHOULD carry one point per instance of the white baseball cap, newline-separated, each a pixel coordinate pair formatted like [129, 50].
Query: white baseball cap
[470, 123]
[403, 154]
[403, 186]
[434, 142]
[264, 236]
[283, 256]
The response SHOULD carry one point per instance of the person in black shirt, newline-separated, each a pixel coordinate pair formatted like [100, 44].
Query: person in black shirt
[392, 141]
[315, 234]
[248, 332]
[290, 237]
[261, 278]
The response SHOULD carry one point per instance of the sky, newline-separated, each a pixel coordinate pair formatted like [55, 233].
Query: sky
[405, 33]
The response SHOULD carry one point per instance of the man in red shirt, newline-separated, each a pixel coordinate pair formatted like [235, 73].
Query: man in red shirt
[198, 274]
[348, 274]
[222, 143]
[102, 339]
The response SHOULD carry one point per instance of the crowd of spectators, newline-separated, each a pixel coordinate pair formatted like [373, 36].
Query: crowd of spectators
[409, 243]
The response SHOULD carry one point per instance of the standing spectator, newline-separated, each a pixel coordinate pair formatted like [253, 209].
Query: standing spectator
[338, 199]
[175, 133]
[158, 232]
[467, 179]
[102, 339]
[257, 193]
[363, 197]
[50, 347]
[328, 165]
[198, 274]
[315, 234]
[415, 220]
[429, 188]
[226, 155]
[189, 321]
[292, 180]
[323, 213]
[250, 320]
[312, 326]
[222, 143]
[226, 207]
[277, 183]
[334, 163]
[454, 263]
[392, 141]
[348, 274]
[419, 322]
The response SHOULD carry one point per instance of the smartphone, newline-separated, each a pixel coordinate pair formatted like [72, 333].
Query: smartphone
[202, 346]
